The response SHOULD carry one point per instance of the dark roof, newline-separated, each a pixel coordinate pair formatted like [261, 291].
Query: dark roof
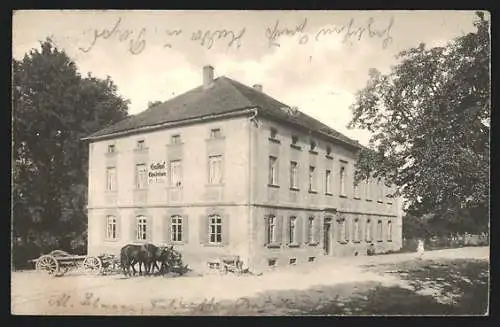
[225, 95]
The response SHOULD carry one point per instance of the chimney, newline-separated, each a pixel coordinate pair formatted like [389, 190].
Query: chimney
[258, 87]
[208, 76]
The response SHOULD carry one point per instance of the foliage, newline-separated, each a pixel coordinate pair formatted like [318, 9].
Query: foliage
[430, 119]
[53, 108]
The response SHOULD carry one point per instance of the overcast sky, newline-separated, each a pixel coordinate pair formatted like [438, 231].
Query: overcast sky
[156, 55]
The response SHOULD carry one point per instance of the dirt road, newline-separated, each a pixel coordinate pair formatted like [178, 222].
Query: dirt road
[35, 293]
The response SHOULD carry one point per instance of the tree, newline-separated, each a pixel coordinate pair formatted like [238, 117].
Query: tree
[430, 124]
[153, 103]
[53, 108]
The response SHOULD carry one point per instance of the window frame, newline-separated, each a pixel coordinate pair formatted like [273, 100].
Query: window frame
[115, 228]
[212, 160]
[177, 228]
[217, 222]
[111, 183]
[273, 171]
[141, 226]
[138, 174]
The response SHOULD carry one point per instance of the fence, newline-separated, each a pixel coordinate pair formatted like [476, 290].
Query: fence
[447, 242]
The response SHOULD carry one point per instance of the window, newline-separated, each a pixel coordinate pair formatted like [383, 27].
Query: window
[293, 230]
[111, 148]
[342, 181]
[271, 262]
[141, 228]
[328, 150]
[215, 229]
[380, 191]
[368, 233]
[311, 178]
[141, 145]
[342, 237]
[111, 179]
[313, 145]
[175, 173]
[328, 182]
[111, 228]
[273, 133]
[215, 133]
[175, 139]
[379, 230]
[176, 229]
[141, 176]
[389, 231]
[273, 170]
[311, 259]
[368, 186]
[293, 261]
[293, 175]
[271, 229]
[356, 190]
[295, 140]
[356, 231]
[215, 169]
[310, 230]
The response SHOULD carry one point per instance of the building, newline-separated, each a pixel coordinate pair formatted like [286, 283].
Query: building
[224, 169]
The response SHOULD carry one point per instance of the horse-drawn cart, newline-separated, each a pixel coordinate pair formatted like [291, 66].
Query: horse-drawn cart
[58, 262]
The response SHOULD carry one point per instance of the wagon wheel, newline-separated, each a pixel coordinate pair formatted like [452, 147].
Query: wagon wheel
[48, 264]
[92, 265]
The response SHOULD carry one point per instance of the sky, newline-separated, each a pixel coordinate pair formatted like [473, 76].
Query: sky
[314, 60]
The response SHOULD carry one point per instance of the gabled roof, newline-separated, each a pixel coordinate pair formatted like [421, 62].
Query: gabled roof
[224, 96]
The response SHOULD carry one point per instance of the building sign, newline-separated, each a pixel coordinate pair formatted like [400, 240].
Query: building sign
[157, 172]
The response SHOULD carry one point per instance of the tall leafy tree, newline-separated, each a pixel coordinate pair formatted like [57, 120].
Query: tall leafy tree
[53, 108]
[430, 119]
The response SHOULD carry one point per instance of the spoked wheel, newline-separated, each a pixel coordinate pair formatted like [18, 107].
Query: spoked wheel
[48, 264]
[92, 265]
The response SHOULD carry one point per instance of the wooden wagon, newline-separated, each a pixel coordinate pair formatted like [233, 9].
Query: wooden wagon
[58, 262]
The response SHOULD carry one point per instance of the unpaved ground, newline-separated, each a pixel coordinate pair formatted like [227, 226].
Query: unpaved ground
[34, 293]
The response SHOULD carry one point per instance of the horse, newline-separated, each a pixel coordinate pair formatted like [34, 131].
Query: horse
[143, 254]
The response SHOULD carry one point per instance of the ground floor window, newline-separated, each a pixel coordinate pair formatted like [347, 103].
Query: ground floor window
[271, 226]
[341, 230]
[142, 226]
[379, 230]
[176, 229]
[310, 230]
[215, 229]
[368, 232]
[389, 231]
[111, 228]
[356, 231]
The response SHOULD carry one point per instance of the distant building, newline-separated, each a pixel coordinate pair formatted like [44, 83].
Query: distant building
[224, 169]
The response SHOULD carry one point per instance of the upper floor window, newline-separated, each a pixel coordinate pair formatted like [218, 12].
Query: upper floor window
[311, 178]
[175, 173]
[312, 146]
[141, 145]
[273, 133]
[215, 133]
[293, 175]
[273, 170]
[380, 191]
[141, 228]
[328, 181]
[356, 190]
[111, 148]
[342, 181]
[215, 169]
[111, 228]
[214, 229]
[110, 179]
[368, 186]
[175, 139]
[368, 232]
[379, 231]
[176, 228]
[141, 177]
[328, 150]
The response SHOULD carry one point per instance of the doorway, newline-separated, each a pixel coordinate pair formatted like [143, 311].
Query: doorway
[327, 237]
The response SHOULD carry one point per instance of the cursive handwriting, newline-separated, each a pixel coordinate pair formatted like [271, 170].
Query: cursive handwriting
[352, 32]
[274, 33]
[136, 44]
[208, 38]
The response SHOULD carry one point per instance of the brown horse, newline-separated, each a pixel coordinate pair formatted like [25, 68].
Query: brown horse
[143, 254]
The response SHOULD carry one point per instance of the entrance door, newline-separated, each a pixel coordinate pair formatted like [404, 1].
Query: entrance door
[327, 237]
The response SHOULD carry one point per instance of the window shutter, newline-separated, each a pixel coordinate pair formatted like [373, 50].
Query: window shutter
[225, 229]
[118, 228]
[279, 229]
[203, 229]
[317, 229]
[168, 229]
[149, 229]
[185, 229]
[266, 230]
[133, 229]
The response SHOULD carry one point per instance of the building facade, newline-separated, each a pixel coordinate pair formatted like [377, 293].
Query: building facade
[226, 170]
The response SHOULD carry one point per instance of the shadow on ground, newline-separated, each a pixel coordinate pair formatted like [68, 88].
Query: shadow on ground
[457, 287]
